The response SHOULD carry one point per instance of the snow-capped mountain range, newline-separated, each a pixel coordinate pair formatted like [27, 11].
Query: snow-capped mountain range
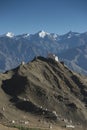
[41, 34]
[70, 47]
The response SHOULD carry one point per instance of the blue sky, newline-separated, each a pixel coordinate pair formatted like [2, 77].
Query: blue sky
[31, 16]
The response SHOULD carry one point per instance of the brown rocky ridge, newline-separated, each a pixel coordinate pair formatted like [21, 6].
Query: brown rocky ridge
[43, 92]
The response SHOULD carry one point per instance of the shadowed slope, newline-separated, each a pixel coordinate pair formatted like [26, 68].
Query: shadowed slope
[44, 86]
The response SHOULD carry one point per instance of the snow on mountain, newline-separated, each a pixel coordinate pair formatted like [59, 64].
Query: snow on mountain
[55, 36]
[23, 35]
[42, 34]
[69, 36]
[9, 34]
[26, 35]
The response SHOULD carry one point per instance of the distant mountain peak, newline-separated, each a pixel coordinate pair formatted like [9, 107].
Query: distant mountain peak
[70, 34]
[42, 34]
[25, 35]
[9, 34]
[55, 36]
[73, 33]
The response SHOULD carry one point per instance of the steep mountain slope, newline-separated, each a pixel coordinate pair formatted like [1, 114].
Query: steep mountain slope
[76, 57]
[24, 47]
[44, 89]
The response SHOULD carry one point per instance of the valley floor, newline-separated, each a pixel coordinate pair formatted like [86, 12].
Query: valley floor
[41, 127]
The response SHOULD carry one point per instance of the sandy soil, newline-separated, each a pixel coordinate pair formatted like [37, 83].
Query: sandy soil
[2, 127]
[54, 127]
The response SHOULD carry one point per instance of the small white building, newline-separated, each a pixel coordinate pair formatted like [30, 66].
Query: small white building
[54, 112]
[22, 63]
[26, 122]
[53, 56]
[50, 126]
[13, 121]
[3, 109]
[70, 126]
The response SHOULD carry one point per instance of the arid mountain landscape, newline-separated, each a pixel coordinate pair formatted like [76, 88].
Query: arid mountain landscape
[43, 93]
[70, 47]
[43, 64]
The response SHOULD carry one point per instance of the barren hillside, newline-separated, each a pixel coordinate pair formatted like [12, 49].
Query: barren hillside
[43, 92]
